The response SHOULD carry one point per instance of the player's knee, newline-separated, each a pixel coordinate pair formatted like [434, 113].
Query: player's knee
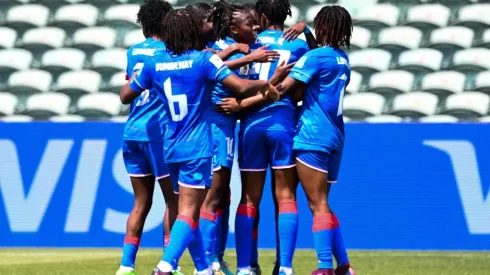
[319, 205]
[142, 207]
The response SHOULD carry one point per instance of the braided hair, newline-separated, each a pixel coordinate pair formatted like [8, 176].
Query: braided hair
[222, 17]
[203, 9]
[150, 16]
[176, 39]
[333, 26]
[276, 11]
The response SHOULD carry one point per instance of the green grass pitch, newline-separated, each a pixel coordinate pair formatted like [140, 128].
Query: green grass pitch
[106, 262]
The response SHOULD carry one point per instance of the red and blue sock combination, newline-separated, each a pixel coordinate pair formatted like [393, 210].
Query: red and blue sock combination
[130, 248]
[244, 224]
[288, 232]
[180, 236]
[338, 247]
[323, 235]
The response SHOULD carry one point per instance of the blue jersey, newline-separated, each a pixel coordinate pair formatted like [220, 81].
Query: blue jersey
[326, 73]
[182, 84]
[219, 91]
[147, 120]
[290, 51]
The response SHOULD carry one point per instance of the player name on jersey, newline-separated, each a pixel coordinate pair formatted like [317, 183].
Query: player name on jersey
[148, 52]
[172, 66]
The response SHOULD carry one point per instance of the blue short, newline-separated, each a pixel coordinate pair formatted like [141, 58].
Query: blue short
[143, 158]
[223, 146]
[259, 148]
[322, 161]
[194, 173]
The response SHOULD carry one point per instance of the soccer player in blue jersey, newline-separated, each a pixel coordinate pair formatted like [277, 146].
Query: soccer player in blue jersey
[323, 73]
[143, 140]
[266, 138]
[182, 76]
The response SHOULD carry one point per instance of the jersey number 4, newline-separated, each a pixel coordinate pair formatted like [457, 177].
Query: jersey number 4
[173, 100]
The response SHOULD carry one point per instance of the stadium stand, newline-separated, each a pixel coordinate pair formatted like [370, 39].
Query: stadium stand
[413, 60]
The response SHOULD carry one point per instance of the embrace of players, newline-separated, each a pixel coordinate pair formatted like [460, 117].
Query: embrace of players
[200, 69]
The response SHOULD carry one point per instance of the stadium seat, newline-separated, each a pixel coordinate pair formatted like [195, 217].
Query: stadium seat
[428, 16]
[67, 118]
[370, 61]
[472, 60]
[95, 38]
[414, 105]
[120, 119]
[439, 119]
[133, 37]
[9, 36]
[420, 61]
[294, 18]
[390, 83]
[362, 105]
[44, 105]
[99, 106]
[117, 81]
[62, 60]
[73, 17]
[354, 83]
[347, 119]
[39, 40]
[485, 41]
[482, 82]
[474, 16]
[312, 12]
[398, 39]
[377, 16]
[451, 39]
[360, 38]
[467, 106]
[29, 82]
[109, 61]
[485, 119]
[12, 60]
[16, 118]
[121, 16]
[384, 119]
[8, 103]
[444, 83]
[23, 17]
[78, 83]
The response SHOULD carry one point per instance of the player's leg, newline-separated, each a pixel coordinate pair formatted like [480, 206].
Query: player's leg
[277, 264]
[224, 149]
[192, 178]
[253, 162]
[338, 248]
[254, 258]
[283, 165]
[223, 228]
[142, 181]
[312, 167]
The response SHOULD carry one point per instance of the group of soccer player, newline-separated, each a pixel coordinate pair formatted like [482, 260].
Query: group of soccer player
[200, 69]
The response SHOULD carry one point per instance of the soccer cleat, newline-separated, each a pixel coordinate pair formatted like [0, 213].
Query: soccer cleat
[275, 271]
[177, 272]
[256, 270]
[225, 268]
[345, 269]
[323, 272]
[157, 271]
[125, 272]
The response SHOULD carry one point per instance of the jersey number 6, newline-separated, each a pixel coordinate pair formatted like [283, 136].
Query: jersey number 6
[181, 100]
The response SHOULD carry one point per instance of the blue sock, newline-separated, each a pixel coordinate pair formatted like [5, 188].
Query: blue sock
[207, 225]
[288, 232]
[130, 248]
[225, 226]
[196, 249]
[244, 225]
[322, 235]
[254, 258]
[180, 236]
[338, 247]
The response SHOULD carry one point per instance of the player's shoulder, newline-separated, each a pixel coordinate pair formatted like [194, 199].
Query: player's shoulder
[147, 48]
[220, 44]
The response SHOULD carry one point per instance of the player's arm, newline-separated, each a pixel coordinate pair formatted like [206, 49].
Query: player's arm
[299, 28]
[302, 73]
[139, 82]
[260, 55]
[234, 48]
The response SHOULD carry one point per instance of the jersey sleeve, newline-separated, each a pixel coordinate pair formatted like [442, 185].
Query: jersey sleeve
[215, 68]
[142, 81]
[305, 69]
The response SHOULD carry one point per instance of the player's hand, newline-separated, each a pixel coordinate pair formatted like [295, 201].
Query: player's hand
[262, 55]
[270, 92]
[293, 32]
[242, 48]
[210, 50]
[228, 105]
[281, 72]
